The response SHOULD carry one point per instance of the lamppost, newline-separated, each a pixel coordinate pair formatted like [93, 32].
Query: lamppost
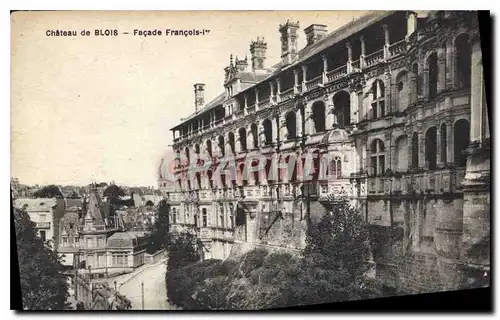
[90, 284]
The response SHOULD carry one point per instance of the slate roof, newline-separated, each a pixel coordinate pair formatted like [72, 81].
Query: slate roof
[34, 205]
[305, 53]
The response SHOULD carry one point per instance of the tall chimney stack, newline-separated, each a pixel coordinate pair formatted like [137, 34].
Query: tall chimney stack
[314, 32]
[289, 51]
[199, 96]
[258, 51]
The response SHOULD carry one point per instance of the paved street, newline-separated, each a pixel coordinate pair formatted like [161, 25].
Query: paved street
[155, 294]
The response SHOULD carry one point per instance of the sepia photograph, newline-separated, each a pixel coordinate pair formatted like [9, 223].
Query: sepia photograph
[250, 160]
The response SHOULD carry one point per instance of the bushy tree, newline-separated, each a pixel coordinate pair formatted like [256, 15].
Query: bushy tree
[113, 192]
[43, 285]
[160, 232]
[50, 191]
[335, 260]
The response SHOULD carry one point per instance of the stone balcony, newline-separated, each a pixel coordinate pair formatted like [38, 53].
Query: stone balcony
[429, 182]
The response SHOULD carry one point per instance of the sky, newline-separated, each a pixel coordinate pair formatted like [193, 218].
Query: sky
[100, 108]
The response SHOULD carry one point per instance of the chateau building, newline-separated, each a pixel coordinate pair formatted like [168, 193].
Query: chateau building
[388, 111]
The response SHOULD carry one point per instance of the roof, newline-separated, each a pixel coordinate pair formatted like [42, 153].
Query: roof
[305, 53]
[35, 205]
[94, 209]
[127, 239]
[212, 104]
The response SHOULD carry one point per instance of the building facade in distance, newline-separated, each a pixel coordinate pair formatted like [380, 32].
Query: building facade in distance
[389, 111]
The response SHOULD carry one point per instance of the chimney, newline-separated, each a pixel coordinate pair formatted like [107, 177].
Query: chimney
[289, 51]
[314, 32]
[258, 50]
[241, 65]
[199, 96]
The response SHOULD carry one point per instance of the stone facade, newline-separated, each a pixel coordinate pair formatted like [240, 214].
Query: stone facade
[394, 102]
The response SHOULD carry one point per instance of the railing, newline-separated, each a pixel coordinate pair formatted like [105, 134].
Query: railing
[43, 225]
[356, 64]
[336, 73]
[264, 103]
[313, 83]
[374, 58]
[238, 113]
[251, 108]
[397, 48]
[287, 94]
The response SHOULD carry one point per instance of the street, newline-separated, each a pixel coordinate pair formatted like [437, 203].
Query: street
[155, 293]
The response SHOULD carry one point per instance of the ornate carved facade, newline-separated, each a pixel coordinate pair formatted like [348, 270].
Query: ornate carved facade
[395, 100]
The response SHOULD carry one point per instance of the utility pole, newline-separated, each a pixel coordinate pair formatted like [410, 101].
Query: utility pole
[142, 294]
[75, 257]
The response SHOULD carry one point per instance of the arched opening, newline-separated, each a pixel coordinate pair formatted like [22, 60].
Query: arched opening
[402, 154]
[209, 148]
[186, 153]
[197, 149]
[463, 56]
[198, 180]
[221, 146]
[377, 156]
[402, 91]
[210, 179]
[378, 102]
[243, 175]
[319, 116]
[231, 142]
[460, 141]
[291, 125]
[431, 148]
[432, 67]
[221, 215]
[414, 151]
[268, 131]
[240, 217]
[243, 139]
[149, 203]
[444, 158]
[256, 174]
[204, 217]
[342, 104]
[255, 135]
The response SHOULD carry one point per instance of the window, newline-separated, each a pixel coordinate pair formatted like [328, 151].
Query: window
[319, 116]
[463, 61]
[174, 216]
[291, 125]
[64, 241]
[243, 139]
[204, 217]
[77, 241]
[42, 217]
[268, 131]
[43, 235]
[432, 66]
[461, 141]
[378, 103]
[89, 243]
[221, 214]
[119, 259]
[335, 168]
[101, 262]
[378, 157]
[431, 148]
[402, 91]
[342, 105]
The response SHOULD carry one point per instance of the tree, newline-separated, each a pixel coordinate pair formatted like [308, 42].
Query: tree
[43, 284]
[335, 260]
[113, 193]
[50, 191]
[159, 234]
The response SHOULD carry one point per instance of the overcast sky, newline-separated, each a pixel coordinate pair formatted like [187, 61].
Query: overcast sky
[101, 108]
